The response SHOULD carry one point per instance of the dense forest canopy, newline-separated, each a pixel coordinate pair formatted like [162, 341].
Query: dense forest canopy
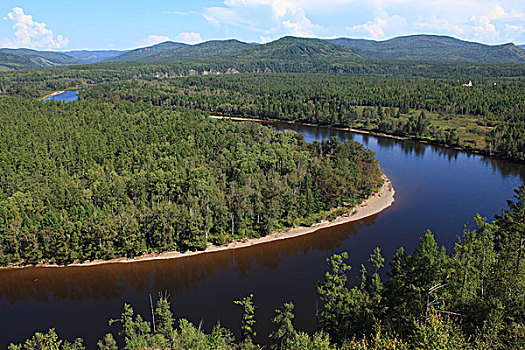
[489, 116]
[91, 180]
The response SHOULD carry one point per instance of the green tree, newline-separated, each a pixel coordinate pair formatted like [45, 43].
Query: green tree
[248, 318]
[285, 331]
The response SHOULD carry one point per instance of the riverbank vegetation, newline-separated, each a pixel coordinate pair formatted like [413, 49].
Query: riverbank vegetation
[488, 117]
[90, 180]
[470, 298]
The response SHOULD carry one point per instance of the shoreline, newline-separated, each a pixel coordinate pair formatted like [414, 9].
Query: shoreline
[380, 134]
[52, 94]
[376, 203]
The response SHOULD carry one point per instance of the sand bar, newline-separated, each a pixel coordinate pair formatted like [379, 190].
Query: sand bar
[52, 94]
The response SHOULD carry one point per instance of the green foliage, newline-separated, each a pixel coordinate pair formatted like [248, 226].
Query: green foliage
[412, 276]
[350, 312]
[302, 340]
[107, 343]
[378, 340]
[486, 117]
[90, 180]
[48, 341]
[284, 321]
[437, 333]
[248, 318]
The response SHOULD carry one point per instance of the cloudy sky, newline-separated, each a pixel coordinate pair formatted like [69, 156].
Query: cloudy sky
[124, 24]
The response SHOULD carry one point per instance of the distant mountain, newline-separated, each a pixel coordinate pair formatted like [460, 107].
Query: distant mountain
[208, 49]
[433, 48]
[522, 46]
[288, 54]
[284, 49]
[9, 61]
[293, 48]
[143, 54]
[43, 59]
[94, 56]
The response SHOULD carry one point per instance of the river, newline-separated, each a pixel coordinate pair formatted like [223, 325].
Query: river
[436, 188]
[66, 96]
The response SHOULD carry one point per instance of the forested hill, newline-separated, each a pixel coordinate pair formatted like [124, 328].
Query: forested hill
[293, 48]
[221, 49]
[43, 59]
[434, 48]
[8, 61]
[145, 52]
[90, 180]
[284, 49]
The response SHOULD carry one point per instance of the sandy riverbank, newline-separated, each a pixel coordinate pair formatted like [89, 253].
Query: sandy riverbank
[310, 124]
[52, 94]
[371, 206]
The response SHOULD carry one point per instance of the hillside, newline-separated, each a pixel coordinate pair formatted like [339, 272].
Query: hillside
[210, 49]
[94, 56]
[43, 59]
[286, 54]
[145, 53]
[433, 48]
[9, 61]
[293, 48]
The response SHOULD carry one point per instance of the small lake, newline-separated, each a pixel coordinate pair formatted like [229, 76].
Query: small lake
[66, 96]
[436, 188]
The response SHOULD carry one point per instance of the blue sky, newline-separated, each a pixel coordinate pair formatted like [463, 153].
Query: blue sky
[119, 24]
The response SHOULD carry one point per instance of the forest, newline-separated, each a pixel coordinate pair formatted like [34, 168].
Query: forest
[472, 297]
[488, 117]
[136, 166]
[92, 180]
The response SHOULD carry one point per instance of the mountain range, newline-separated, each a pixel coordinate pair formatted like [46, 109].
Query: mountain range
[434, 48]
[292, 49]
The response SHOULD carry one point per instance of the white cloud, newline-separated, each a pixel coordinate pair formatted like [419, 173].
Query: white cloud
[29, 33]
[284, 17]
[483, 29]
[439, 25]
[180, 13]
[489, 21]
[153, 39]
[375, 28]
[379, 26]
[298, 24]
[185, 37]
[223, 15]
[189, 38]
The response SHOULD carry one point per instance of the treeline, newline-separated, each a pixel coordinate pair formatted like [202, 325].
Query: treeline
[333, 97]
[485, 117]
[88, 180]
[470, 298]
[38, 82]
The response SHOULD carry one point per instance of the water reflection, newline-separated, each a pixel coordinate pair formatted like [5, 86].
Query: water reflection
[110, 281]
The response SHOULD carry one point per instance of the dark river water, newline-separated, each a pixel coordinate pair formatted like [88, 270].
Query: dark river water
[436, 188]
